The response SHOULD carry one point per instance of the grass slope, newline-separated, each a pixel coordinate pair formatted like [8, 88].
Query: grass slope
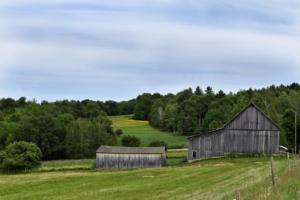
[210, 179]
[145, 132]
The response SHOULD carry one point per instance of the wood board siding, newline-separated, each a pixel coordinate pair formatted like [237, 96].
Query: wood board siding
[108, 160]
[250, 132]
[251, 119]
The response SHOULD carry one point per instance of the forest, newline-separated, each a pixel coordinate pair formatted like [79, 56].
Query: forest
[75, 129]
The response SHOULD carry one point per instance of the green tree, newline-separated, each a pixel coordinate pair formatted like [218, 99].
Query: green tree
[157, 114]
[20, 156]
[130, 141]
[198, 91]
[288, 125]
[157, 143]
[187, 117]
[84, 136]
[143, 105]
[170, 115]
[112, 108]
[119, 132]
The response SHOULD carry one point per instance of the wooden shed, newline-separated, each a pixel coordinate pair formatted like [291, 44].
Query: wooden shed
[250, 132]
[130, 157]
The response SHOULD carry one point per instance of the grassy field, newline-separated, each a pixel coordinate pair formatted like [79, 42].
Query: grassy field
[67, 165]
[209, 179]
[145, 132]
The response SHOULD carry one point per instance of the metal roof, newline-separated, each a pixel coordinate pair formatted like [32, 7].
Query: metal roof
[131, 150]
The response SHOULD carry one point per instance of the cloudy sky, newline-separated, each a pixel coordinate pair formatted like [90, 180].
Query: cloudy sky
[117, 49]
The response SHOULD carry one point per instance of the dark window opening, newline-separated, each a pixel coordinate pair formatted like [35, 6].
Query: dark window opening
[194, 154]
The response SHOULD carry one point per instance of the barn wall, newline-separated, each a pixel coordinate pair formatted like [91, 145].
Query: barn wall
[206, 146]
[234, 142]
[107, 160]
[251, 142]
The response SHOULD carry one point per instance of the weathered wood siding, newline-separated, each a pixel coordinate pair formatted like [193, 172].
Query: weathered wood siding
[207, 145]
[251, 119]
[251, 142]
[109, 160]
[251, 132]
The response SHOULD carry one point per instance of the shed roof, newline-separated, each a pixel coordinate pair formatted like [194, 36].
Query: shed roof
[131, 150]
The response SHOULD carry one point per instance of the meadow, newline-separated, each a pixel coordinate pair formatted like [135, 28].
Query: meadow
[212, 179]
[146, 133]
[207, 179]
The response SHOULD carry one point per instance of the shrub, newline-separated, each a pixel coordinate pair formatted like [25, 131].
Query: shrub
[119, 132]
[130, 141]
[157, 143]
[20, 156]
[176, 146]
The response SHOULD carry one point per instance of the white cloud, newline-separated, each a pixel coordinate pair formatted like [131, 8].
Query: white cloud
[51, 54]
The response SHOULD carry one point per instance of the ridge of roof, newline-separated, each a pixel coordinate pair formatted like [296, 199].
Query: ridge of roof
[131, 150]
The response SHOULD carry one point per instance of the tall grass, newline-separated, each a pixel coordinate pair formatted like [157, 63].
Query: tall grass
[146, 133]
[287, 179]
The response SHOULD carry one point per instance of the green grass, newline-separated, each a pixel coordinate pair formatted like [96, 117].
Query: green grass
[67, 165]
[145, 132]
[287, 185]
[208, 179]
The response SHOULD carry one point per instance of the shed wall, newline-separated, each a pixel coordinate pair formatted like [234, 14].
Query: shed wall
[108, 160]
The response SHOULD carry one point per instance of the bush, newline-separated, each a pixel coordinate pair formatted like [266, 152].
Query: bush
[119, 132]
[20, 156]
[157, 143]
[176, 146]
[130, 141]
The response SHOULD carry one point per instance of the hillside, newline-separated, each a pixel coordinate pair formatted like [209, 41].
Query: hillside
[210, 179]
[145, 132]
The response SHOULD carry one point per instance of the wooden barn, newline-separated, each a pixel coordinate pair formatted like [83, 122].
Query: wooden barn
[130, 157]
[249, 132]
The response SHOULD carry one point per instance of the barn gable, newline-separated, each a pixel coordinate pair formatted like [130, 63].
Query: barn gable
[251, 118]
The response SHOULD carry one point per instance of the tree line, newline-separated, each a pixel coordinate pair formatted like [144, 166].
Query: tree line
[196, 111]
[61, 129]
[75, 129]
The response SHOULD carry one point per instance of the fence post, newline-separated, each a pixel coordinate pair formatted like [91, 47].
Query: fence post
[272, 172]
[289, 163]
[237, 194]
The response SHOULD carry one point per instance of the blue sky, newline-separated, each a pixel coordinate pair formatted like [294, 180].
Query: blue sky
[116, 49]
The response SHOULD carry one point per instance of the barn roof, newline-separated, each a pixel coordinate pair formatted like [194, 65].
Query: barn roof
[131, 150]
[239, 113]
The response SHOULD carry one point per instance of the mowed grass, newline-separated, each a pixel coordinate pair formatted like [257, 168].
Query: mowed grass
[145, 132]
[210, 179]
[57, 165]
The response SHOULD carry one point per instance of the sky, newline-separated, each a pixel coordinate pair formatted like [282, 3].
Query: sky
[117, 49]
